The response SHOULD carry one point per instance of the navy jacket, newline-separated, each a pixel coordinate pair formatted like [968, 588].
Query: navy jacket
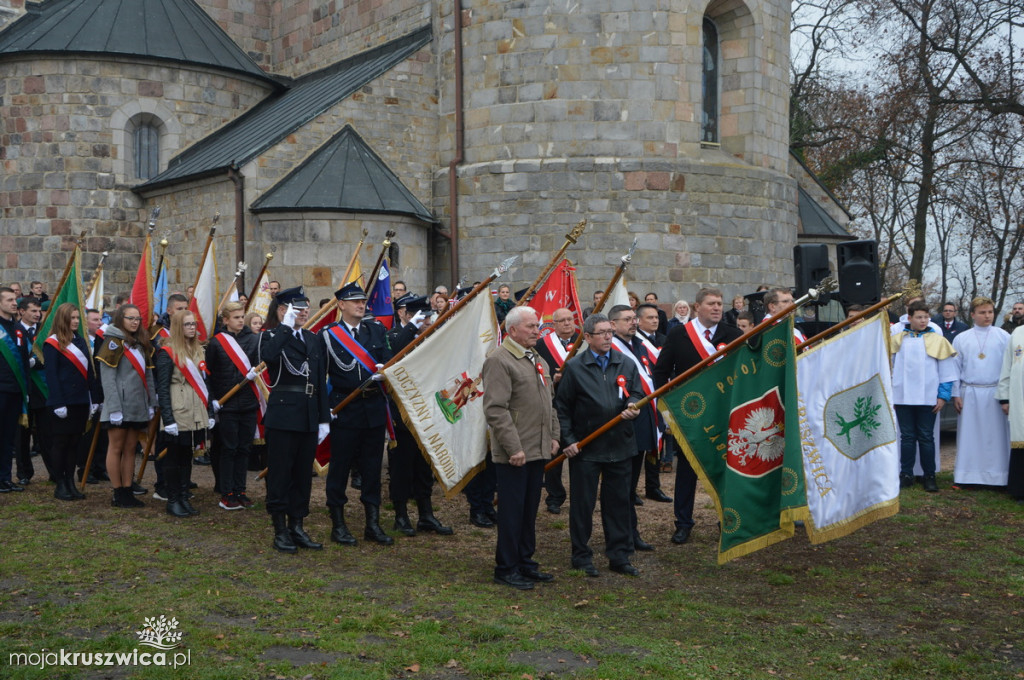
[296, 403]
[345, 374]
[950, 333]
[65, 381]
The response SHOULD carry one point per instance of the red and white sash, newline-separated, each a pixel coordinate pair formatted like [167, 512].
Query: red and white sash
[193, 374]
[558, 352]
[700, 343]
[646, 380]
[242, 363]
[72, 354]
[138, 362]
[352, 346]
[652, 351]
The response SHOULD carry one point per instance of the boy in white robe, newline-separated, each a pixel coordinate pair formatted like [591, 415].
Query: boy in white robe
[1010, 394]
[983, 432]
[922, 381]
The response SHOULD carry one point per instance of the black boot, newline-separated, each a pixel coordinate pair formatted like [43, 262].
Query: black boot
[402, 523]
[282, 537]
[62, 493]
[639, 543]
[340, 532]
[73, 488]
[115, 498]
[176, 508]
[299, 535]
[373, 531]
[427, 521]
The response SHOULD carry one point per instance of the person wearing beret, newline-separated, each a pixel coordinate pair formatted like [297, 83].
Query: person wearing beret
[297, 416]
[356, 350]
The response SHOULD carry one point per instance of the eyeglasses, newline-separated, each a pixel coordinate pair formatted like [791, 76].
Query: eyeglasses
[189, 324]
[133, 318]
[602, 333]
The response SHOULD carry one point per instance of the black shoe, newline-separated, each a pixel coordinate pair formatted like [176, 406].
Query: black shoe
[659, 496]
[906, 481]
[491, 513]
[73, 488]
[929, 484]
[641, 544]
[431, 523]
[681, 536]
[282, 537]
[201, 460]
[554, 509]
[637, 500]
[340, 533]
[62, 493]
[193, 485]
[10, 486]
[481, 520]
[373, 532]
[625, 568]
[175, 508]
[299, 536]
[138, 489]
[514, 580]
[24, 481]
[588, 569]
[184, 497]
[535, 575]
[403, 525]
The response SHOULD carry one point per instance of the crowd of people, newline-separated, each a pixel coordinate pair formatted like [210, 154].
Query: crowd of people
[270, 389]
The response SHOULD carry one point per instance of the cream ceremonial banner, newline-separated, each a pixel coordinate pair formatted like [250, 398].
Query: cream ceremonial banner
[848, 431]
[438, 387]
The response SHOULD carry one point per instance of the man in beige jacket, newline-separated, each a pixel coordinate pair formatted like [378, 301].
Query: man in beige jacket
[524, 434]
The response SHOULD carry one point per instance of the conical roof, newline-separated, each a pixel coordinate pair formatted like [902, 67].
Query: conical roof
[174, 30]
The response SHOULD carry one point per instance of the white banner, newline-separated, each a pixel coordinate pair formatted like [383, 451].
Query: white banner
[95, 299]
[261, 300]
[204, 299]
[848, 431]
[438, 387]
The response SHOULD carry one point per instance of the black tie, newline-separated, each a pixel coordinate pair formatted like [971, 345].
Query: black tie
[298, 335]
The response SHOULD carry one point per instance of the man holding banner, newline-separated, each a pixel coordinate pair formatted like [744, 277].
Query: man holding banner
[356, 350]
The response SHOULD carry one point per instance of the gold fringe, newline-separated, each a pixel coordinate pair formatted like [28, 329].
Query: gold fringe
[23, 420]
[850, 524]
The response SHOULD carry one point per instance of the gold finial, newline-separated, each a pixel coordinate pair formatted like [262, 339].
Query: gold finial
[269, 256]
[912, 289]
[577, 231]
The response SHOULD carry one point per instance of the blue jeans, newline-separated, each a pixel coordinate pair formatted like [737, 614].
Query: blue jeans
[917, 427]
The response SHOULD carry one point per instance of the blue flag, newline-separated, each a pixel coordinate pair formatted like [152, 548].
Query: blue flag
[380, 304]
[160, 291]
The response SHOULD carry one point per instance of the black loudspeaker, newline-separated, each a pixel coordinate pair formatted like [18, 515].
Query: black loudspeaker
[810, 263]
[859, 282]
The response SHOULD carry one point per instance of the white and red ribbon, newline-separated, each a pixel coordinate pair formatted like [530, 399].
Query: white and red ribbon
[193, 374]
[72, 354]
[138, 362]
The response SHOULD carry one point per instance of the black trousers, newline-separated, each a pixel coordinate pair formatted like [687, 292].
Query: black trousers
[289, 471]
[685, 493]
[65, 435]
[519, 497]
[177, 466]
[636, 466]
[10, 412]
[38, 431]
[360, 449]
[234, 435]
[480, 490]
[1015, 480]
[614, 479]
[554, 486]
[408, 471]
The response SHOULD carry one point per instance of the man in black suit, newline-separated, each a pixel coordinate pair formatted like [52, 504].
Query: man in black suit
[947, 321]
[554, 348]
[38, 431]
[356, 350]
[652, 300]
[652, 340]
[685, 347]
[297, 416]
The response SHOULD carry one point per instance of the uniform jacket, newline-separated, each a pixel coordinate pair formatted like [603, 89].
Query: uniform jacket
[123, 390]
[65, 381]
[36, 398]
[345, 374]
[679, 354]
[296, 403]
[398, 338]
[179, 402]
[224, 375]
[8, 381]
[517, 404]
[588, 398]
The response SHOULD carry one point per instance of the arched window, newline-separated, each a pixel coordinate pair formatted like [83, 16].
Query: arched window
[709, 78]
[146, 141]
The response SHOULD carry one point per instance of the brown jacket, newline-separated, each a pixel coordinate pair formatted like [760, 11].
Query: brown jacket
[517, 404]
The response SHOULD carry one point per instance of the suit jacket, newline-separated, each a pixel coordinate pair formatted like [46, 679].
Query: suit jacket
[296, 403]
[36, 398]
[65, 381]
[658, 339]
[679, 354]
[645, 425]
[950, 333]
[346, 374]
[517, 404]
[545, 354]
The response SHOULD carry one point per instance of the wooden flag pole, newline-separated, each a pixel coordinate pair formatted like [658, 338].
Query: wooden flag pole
[150, 441]
[227, 293]
[371, 283]
[348, 270]
[812, 294]
[96, 274]
[259, 277]
[570, 239]
[92, 451]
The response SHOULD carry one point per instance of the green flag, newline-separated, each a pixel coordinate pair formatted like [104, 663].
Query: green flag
[737, 422]
[69, 290]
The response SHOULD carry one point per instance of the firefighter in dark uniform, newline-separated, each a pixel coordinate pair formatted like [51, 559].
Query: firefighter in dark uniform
[297, 415]
[356, 349]
[408, 470]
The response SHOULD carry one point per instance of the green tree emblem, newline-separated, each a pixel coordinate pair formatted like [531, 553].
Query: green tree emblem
[865, 413]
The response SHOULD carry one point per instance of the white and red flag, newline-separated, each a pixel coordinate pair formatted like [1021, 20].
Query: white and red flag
[205, 297]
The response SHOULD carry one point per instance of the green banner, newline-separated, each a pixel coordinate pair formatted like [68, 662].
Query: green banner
[738, 425]
[69, 290]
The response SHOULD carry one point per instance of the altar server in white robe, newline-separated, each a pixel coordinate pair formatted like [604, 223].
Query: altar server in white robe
[983, 432]
[1010, 394]
[896, 329]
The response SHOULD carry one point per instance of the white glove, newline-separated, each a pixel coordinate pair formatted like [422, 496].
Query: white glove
[323, 429]
[171, 429]
[61, 412]
[216, 406]
[334, 416]
[116, 418]
[94, 408]
[210, 424]
[378, 376]
[31, 362]
[419, 319]
[152, 412]
[251, 375]
[289, 317]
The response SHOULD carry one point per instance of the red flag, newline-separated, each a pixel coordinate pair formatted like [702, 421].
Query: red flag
[142, 289]
[558, 290]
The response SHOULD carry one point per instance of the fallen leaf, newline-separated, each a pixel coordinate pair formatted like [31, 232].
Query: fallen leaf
[415, 668]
